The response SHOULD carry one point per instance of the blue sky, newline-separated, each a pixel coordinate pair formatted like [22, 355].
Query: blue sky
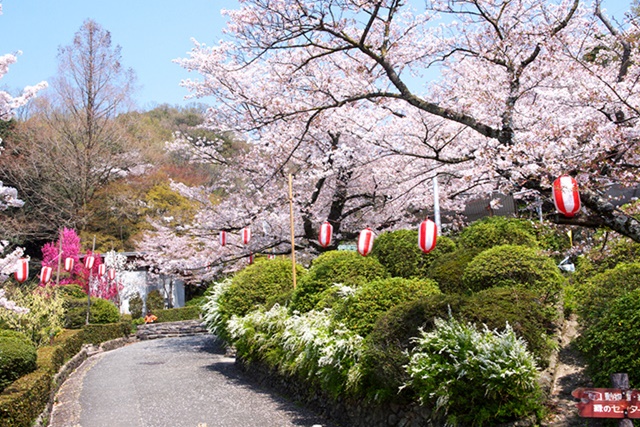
[151, 33]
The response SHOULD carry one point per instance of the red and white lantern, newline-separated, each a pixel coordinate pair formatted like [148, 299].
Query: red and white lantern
[246, 235]
[102, 269]
[88, 262]
[326, 231]
[223, 238]
[365, 242]
[111, 274]
[45, 275]
[566, 196]
[427, 235]
[271, 256]
[22, 270]
[250, 258]
[68, 264]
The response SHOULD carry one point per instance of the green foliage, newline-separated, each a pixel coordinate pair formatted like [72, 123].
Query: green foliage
[177, 314]
[610, 342]
[155, 301]
[45, 316]
[497, 230]
[448, 269]
[399, 253]
[99, 333]
[75, 308]
[17, 357]
[372, 299]
[472, 377]
[103, 311]
[345, 267]
[596, 294]
[195, 302]
[510, 265]
[257, 284]
[522, 310]
[135, 306]
[616, 251]
[387, 347]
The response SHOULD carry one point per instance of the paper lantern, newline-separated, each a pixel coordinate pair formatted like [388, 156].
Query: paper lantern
[326, 231]
[88, 262]
[246, 235]
[22, 270]
[271, 256]
[102, 269]
[112, 273]
[223, 238]
[68, 264]
[45, 274]
[427, 235]
[566, 196]
[365, 242]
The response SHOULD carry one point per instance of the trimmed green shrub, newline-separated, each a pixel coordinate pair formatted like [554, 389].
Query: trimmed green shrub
[399, 253]
[498, 230]
[65, 345]
[448, 269]
[17, 357]
[360, 311]
[102, 311]
[96, 334]
[135, 306]
[522, 310]
[386, 348]
[474, 377]
[177, 314]
[155, 301]
[256, 285]
[509, 265]
[595, 296]
[345, 267]
[195, 302]
[617, 251]
[610, 342]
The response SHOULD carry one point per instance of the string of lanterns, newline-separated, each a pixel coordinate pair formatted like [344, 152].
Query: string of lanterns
[566, 199]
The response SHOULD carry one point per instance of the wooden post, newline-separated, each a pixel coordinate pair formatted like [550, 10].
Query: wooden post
[621, 381]
[293, 231]
[93, 249]
[59, 259]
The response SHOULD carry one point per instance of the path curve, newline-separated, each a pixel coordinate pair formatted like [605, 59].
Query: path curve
[175, 382]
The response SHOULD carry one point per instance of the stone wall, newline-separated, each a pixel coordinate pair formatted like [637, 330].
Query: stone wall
[344, 411]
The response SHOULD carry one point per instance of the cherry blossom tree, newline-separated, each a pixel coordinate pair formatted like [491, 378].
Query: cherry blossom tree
[523, 91]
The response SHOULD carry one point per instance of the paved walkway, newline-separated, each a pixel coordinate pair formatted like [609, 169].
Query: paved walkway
[171, 382]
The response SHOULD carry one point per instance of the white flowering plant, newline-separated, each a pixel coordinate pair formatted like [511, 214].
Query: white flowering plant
[474, 377]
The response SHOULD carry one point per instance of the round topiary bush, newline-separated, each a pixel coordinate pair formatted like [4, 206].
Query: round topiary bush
[522, 310]
[103, 311]
[610, 342]
[399, 253]
[596, 294]
[386, 348]
[509, 265]
[497, 230]
[372, 299]
[75, 308]
[448, 269]
[17, 357]
[155, 301]
[345, 267]
[258, 284]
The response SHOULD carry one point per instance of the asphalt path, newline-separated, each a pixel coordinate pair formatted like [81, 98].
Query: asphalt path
[171, 382]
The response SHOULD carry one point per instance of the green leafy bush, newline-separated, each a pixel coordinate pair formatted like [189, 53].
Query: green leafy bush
[522, 310]
[399, 253]
[99, 333]
[177, 314]
[610, 342]
[155, 301]
[136, 305]
[386, 348]
[17, 357]
[596, 294]
[497, 230]
[345, 267]
[372, 299]
[448, 269]
[75, 311]
[474, 377]
[510, 265]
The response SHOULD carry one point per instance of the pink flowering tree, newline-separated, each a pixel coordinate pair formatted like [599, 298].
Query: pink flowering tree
[522, 92]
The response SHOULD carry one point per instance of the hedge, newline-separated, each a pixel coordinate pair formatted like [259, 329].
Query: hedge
[497, 230]
[177, 314]
[17, 357]
[96, 334]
